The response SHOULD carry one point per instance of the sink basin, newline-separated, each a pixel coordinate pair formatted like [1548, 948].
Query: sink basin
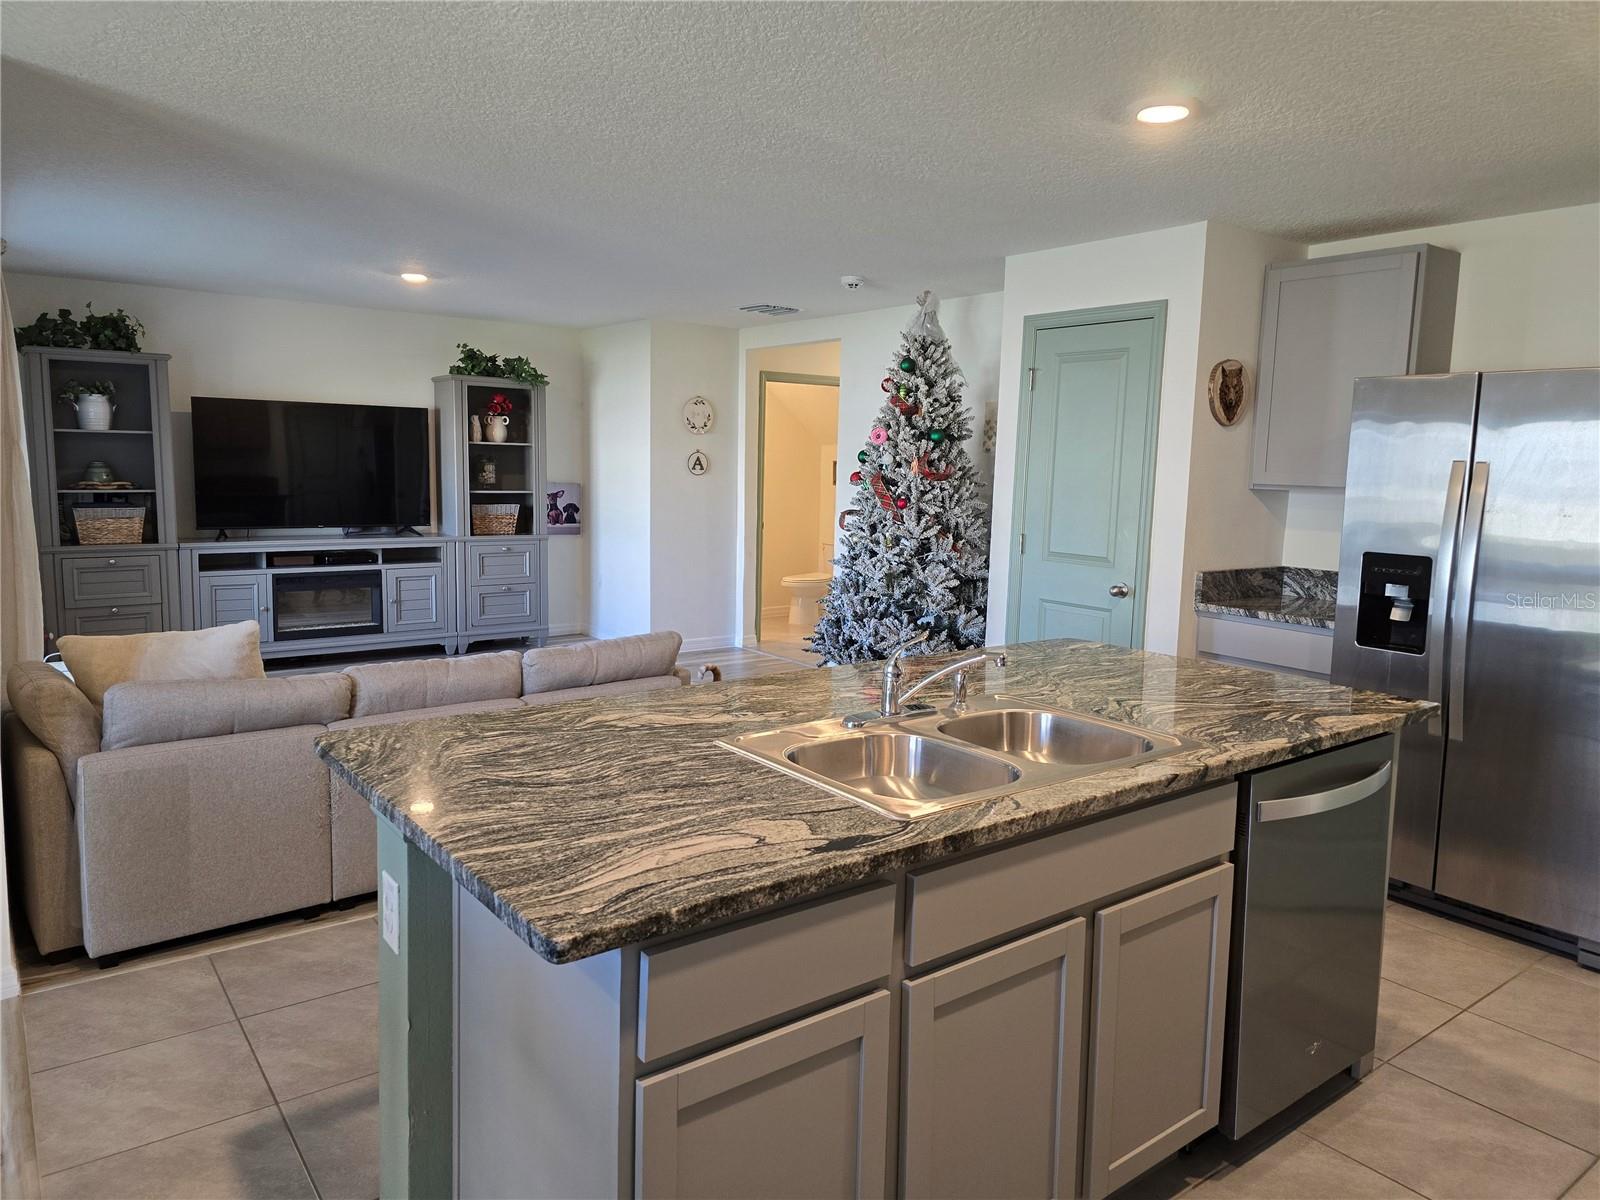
[902, 770]
[921, 763]
[1040, 736]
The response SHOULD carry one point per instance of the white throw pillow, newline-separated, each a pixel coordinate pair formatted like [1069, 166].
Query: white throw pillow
[224, 652]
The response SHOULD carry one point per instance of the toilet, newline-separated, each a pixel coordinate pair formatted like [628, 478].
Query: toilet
[807, 589]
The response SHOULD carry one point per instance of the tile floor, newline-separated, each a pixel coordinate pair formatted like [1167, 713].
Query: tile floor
[248, 1070]
[787, 641]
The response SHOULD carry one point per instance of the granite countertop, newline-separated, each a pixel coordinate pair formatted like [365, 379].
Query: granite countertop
[599, 823]
[1286, 595]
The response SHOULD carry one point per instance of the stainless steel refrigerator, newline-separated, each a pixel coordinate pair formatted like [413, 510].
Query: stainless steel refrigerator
[1469, 574]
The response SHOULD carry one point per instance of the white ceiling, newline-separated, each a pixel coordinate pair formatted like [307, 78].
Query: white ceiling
[587, 163]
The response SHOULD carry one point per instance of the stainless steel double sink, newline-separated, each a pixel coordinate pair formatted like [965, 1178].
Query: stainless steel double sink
[928, 761]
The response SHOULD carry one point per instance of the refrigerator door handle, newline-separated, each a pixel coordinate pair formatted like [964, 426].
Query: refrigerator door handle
[1443, 570]
[1312, 803]
[1461, 614]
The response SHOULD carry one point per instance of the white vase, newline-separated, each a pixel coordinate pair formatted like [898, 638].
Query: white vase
[474, 429]
[497, 428]
[94, 411]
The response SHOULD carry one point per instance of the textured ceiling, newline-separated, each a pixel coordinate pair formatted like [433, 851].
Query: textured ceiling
[586, 163]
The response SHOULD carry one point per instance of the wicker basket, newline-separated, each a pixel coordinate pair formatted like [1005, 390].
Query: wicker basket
[495, 520]
[109, 524]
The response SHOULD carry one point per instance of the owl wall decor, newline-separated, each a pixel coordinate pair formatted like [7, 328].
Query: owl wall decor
[1227, 391]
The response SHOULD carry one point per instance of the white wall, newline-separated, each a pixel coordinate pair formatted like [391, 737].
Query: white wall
[1227, 524]
[860, 348]
[692, 520]
[1167, 264]
[1528, 298]
[225, 345]
[616, 363]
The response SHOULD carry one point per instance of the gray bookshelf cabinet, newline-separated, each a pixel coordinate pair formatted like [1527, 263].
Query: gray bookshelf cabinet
[131, 586]
[503, 586]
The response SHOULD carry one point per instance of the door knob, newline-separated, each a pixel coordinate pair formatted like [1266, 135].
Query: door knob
[1119, 590]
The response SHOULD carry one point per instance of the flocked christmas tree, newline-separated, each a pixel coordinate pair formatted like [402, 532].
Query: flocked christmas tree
[915, 544]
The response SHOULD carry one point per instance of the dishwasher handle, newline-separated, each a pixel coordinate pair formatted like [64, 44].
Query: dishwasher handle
[1312, 803]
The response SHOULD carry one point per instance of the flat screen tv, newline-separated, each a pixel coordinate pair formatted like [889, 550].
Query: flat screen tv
[277, 464]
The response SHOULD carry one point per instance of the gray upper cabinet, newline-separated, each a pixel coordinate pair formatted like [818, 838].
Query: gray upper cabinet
[800, 1111]
[1160, 984]
[992, 1050]
[1326, 322]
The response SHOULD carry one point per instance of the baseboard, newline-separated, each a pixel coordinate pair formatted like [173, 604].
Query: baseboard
[697, 645]
[568, 630]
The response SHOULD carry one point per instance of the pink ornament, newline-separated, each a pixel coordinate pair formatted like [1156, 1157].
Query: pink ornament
[878, 436]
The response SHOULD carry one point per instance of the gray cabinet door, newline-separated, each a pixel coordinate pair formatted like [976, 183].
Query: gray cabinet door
[1326, 323]
[231, 596]
[97, 580]
[800, 1111]
[414, 599]
[502, 562]
[993, 1073]
[1160, 991]
[117, 618]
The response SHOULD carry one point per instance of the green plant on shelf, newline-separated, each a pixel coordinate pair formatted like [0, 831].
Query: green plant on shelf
[74, 388]
[491, 366]
[115, 330]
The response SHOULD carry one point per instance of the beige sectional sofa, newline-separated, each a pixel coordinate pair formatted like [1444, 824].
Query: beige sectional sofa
[188, 806]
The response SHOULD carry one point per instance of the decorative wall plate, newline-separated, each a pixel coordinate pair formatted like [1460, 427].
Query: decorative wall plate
[698, 415]
[1226, 391]
[699, 464]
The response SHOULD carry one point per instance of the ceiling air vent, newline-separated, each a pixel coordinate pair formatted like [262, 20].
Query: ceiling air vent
[769, 310]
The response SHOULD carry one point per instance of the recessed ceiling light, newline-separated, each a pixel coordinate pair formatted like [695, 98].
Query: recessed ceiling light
[413, 277]
[1163, 114]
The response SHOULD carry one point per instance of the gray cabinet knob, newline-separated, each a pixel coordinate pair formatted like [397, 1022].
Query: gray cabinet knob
[263, 608]
[111, 562]
[1119, 590]
[113, 612]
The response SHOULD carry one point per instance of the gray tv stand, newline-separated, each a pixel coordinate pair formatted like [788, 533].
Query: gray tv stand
[340, 595]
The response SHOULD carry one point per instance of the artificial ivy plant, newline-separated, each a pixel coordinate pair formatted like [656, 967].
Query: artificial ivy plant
[96, 331]
[492, 366]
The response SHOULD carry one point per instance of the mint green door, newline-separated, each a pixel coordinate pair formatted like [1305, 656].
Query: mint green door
[1086, 462]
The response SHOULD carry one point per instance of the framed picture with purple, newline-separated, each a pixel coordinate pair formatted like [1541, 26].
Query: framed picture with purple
[563, 511]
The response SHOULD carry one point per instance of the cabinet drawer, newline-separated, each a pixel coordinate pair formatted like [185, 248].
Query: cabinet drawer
[117, 618]
[969, 902]
[506, 562]
[508, 604]
[722, 982]
[96, 581]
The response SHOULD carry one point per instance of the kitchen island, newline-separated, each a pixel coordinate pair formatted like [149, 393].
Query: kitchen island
[624, 960]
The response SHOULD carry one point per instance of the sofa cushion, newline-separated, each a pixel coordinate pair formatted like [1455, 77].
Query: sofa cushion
[143, 714]
[429, 714]
[582, 664]
[617, 687]
[223, 652]
[57, 712]
[434, 682]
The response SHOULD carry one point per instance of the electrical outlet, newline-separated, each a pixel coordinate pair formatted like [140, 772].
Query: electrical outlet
[389, 907]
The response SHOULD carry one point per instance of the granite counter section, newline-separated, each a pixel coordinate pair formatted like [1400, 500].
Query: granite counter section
[1287, 595]
[602, 823]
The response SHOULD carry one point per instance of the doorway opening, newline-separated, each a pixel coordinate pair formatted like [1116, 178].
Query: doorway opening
[795, 507]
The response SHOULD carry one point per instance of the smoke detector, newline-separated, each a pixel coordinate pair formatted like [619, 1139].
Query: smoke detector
[852, 283]
[769, 310]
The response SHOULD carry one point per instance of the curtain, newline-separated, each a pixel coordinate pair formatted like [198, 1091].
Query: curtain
[21, 605]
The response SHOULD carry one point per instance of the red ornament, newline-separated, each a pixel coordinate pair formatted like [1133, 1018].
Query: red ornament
[901, 502]
[921, 467]
[855, 476]
[842, 515]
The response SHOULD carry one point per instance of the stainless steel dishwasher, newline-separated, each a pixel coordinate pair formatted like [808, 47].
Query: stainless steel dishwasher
[1311, 875]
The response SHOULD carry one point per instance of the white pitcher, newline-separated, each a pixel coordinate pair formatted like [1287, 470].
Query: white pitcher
[94, 410]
